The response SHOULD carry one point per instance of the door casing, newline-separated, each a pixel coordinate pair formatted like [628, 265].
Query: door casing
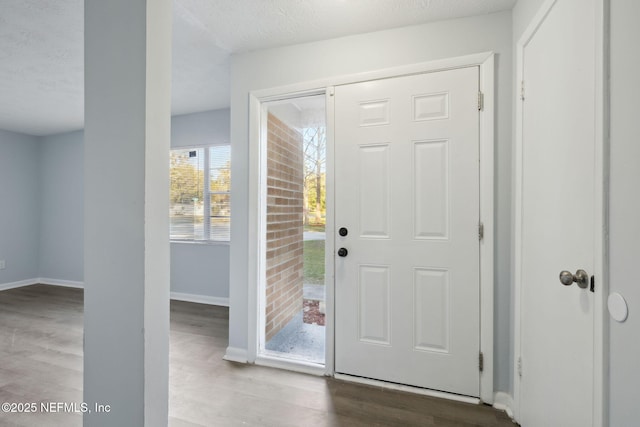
[486, 63]
[600, 232]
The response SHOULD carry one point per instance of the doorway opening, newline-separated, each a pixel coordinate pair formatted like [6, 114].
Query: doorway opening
[292, 309]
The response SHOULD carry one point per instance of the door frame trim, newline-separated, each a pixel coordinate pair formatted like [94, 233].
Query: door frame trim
[486, 63]
[601, 222]
[408, 388]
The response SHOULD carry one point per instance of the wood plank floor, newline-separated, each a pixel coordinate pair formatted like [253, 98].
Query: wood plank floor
[41, 360]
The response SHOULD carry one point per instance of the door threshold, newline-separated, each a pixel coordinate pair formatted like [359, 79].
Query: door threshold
[408, 388]
[291, 365]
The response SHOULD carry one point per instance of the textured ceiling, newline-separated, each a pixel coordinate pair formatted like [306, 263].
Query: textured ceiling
[41, 47]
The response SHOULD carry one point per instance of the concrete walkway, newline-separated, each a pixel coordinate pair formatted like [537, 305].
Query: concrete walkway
[313, 292]
[314, 235]
[300, 340]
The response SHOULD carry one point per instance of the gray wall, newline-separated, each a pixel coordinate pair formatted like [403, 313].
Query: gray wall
[200, 268]
[625, 209]
[360, 53]
[127, 76]
[522, 14]
[61, 207]
[48, 227]
[19, 206]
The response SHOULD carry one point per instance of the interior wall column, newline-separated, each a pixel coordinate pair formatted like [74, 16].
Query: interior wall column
[127, 132]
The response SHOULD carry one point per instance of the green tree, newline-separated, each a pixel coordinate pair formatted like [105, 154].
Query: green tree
[186, 178]
[315, 157]
[220, 185]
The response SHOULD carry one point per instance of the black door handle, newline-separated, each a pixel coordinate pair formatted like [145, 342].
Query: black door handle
[343, 252]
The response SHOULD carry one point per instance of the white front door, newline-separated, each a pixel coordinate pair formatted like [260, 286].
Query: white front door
[407, 198]
[557, 218]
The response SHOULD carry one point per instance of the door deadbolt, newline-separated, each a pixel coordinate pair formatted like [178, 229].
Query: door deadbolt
[343, 252]
[343, 231]
[581, 278]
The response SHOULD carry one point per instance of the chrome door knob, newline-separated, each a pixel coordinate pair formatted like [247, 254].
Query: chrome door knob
[581, 278]
[566, 278]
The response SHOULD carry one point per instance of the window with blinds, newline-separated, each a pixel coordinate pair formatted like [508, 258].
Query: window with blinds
[199, 206]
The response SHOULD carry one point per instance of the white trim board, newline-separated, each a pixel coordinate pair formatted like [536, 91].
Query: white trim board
[486, 63]
[601, 224]
[487, 217]
[407, 388]
[200, 299]
[41, 281]
[601, 217]
[321, 85]
[58, 282]
[176, 296]
[290, 365]
[503, 402]
[329, 243]
[235, 354]
[18, 284]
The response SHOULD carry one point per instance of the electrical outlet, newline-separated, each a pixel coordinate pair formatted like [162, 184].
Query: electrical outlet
[2, 264]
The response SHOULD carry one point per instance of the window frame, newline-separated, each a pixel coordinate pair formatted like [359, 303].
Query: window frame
[207, 193]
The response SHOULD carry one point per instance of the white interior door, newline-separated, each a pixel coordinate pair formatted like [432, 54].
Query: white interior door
[557, 218]
[407, 195]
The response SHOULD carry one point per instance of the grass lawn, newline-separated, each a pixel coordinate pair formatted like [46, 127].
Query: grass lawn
[314, 228]
[314, 262]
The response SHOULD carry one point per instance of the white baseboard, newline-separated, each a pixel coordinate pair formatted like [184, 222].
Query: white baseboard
[179, 296]
[410, 389]
[58, 282]
[503, 402]
[200, 299]
[291, 365]
[235, 354]
[18, 284]
[42, 281]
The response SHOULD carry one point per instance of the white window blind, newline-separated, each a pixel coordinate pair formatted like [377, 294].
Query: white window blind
[200, 193]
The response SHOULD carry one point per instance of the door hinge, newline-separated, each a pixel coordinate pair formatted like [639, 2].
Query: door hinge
[520, 367]
[480, 231]
[480, 101]
[481, 361]
[522, 90]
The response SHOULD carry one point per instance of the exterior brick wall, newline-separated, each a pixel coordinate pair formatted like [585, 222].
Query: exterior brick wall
[284, 264]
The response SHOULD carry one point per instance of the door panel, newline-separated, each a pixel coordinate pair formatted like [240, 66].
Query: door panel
[556, 386]
[431, 189]
[407, 169]
[374, 305]
[375, 184]
[432, 311]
